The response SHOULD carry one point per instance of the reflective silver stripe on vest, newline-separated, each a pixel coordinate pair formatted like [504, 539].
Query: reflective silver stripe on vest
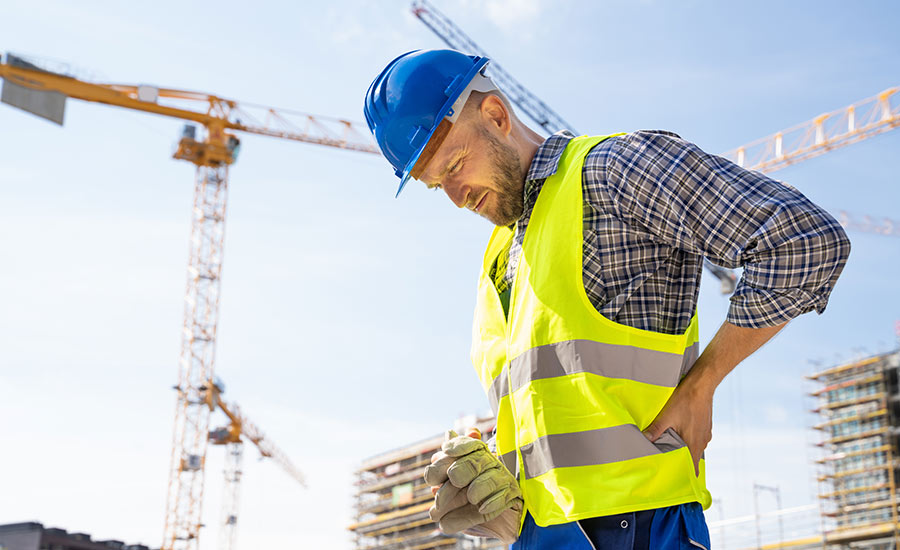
[499, 388]
[509, 460]
[691, 353]
[593, 447]
[609, 360]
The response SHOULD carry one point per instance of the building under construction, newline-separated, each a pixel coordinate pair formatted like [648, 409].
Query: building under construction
[392, 499]
[859, 405]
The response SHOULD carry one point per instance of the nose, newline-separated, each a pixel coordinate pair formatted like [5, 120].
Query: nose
[458, 193]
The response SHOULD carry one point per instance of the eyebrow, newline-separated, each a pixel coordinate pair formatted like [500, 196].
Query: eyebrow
[453, 159]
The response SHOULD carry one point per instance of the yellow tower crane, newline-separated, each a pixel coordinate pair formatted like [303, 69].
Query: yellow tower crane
[232, 437]
[213, 149]
[826, 132]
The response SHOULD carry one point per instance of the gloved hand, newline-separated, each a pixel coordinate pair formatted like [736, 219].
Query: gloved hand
[455, 447]
[477, 494]
[504, 527]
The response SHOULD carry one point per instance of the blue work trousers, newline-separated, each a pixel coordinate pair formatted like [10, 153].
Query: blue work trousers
[680, 527]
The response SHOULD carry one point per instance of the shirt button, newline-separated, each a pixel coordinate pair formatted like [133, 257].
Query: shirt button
[624, 524]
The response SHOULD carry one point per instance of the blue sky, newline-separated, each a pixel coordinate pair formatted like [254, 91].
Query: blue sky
[345, 314]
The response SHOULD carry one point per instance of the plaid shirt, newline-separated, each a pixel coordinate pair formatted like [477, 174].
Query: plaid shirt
[655, 205]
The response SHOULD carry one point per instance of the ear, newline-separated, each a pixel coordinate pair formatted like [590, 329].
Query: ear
[495, 114]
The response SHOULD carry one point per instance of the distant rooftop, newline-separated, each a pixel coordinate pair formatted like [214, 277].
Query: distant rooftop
[32, 535]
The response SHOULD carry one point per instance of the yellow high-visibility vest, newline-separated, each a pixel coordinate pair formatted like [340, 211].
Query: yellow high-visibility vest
[572, 390]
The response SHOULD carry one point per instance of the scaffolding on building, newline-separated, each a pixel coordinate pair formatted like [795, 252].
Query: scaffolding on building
[392, 500]
[859, 406]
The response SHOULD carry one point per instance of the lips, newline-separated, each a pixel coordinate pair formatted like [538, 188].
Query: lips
[480, 203]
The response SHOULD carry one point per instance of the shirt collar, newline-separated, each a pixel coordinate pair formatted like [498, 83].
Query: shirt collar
[546, 159]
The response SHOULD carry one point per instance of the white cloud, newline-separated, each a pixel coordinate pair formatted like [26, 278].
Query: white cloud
[509, 16]
[512, 14]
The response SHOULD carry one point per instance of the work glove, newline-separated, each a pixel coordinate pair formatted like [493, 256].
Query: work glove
[476, 493]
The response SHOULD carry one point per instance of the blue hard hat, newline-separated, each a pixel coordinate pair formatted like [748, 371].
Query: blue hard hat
[407, 101]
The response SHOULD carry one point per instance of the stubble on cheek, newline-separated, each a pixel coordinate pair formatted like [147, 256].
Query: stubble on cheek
[508, 180]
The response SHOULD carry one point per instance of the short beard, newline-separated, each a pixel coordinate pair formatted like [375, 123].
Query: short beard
[509, 179]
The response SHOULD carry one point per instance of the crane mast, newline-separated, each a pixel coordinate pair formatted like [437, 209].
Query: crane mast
[196, 365]
[234, 455]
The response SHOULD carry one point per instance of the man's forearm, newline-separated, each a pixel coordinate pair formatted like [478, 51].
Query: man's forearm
[689, 410]
[731, 345]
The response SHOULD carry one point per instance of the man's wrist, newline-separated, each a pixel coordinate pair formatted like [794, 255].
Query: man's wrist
[700, 384]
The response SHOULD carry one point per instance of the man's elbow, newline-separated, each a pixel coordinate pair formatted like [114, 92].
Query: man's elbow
[839, 243]
[833, 245]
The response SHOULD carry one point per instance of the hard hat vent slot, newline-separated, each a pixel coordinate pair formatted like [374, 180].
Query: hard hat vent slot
[453, 85]
[417, 136]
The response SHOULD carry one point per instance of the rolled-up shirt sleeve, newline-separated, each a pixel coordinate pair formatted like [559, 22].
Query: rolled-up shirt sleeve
[792, 250]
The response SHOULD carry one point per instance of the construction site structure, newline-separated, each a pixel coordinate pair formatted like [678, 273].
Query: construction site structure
[859, 408]
[392, 499]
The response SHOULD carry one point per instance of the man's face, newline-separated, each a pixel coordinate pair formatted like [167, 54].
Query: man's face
[479, 171]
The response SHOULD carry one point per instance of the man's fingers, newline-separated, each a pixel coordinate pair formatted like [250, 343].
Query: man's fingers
[467, 468]
[463, 445]
[460, 519]
[448, 495]
[489, 484]
[654, 430]
[497, 502]
[436, 472]
[695, 456]
[464, 518]
[437, 456]
[447, 499]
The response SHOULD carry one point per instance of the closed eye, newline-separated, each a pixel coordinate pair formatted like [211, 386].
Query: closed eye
[453, 169]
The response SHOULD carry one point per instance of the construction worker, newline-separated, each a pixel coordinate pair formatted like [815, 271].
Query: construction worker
[585, 334]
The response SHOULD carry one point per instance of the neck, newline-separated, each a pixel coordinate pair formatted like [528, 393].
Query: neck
[526, 142]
